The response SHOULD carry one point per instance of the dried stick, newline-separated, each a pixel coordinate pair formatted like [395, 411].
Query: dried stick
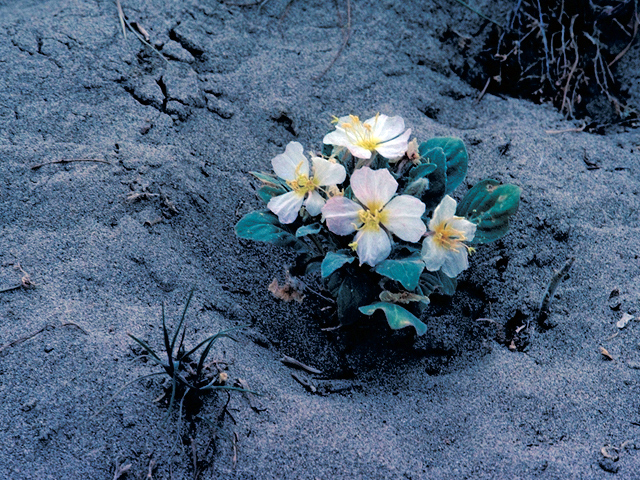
[626, 49]
[564, 130]
[35, 167]
[545, 304]
[573, 68]
[346, 36]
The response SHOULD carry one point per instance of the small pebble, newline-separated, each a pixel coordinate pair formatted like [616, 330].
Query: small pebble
[609, 465]
[633, 364]
[29, 404]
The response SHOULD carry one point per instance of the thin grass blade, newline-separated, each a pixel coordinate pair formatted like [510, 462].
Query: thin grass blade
[148, 349]
[223, 333]
[184, 314]
[168, 346]
[173, 397]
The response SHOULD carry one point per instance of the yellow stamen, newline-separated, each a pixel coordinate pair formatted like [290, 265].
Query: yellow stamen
[371, 219]
[353, 246]
[302, 183]
[448, 238]
[361, 133]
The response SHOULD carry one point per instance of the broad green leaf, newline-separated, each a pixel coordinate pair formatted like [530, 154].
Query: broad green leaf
[263, 226]
[437, 178]
[421, 171]
[308, 230]
[490, 205]
[352, 293]
[406, 271]
[432, 281]
[333, 261]
[267, 178]
[457, 159]
[397, 317]
[267, 192]
[327, 150]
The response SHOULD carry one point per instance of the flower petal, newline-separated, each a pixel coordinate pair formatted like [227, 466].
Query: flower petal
[286, 206]
[374, 188]
[374, 245]
[359, 152]
[465, 226]
[443, 212]
[314, 203]
[328, 173]
[402, 218]
[396, 147]
[337, 137]
[341, 215]
[455, 262]
[432, 256]
[386, 128]
[286, 164]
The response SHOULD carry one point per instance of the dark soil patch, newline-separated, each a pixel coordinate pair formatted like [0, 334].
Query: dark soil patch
[561, 52]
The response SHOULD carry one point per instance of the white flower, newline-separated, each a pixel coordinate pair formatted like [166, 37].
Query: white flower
[443, 248]
[293, 167]
[374, 190]
[385, 135]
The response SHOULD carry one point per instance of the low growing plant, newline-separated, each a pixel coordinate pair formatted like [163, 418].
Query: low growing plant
[191, 376]
[372, 213]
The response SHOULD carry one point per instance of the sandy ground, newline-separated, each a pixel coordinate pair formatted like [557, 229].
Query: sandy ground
[106, 243]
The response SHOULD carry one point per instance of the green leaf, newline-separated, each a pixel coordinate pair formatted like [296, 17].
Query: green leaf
[490, 205]
[267, 178]
[308, 230]
[457, 159]
[333, 261]
[263, 226]
[397, 317]
[421, 171]
[437, 178]
[406, 271]
[267, 192]
[327, 150]
[353, 292]
[432, 281]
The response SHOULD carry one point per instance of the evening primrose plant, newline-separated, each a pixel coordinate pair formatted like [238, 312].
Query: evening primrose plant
[372, 213]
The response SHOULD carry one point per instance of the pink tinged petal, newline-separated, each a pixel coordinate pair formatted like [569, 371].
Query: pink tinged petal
[374, 245]
[374, 188]
[432, 256]
[314, 203]
[455, 262]
[286, 206]
[443, 212]
[395, 148]
[465, 226]
[341, 215]
[328, 173]
[402, 218]
[286, 163]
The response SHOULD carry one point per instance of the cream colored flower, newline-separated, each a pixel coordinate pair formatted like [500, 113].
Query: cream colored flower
[293, 167]
[382, 134]
[443, 249]
[377, 208]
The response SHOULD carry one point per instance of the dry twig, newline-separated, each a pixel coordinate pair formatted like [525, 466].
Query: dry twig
[95, 160]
